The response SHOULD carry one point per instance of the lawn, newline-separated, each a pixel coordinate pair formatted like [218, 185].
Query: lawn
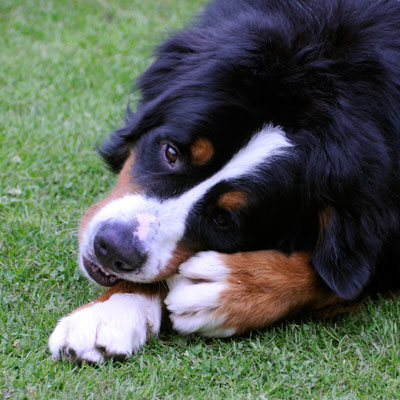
[66, 72]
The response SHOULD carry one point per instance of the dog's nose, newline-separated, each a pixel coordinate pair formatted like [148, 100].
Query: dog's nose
[116, 248]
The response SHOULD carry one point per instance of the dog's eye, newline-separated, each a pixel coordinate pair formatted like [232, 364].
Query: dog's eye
[171, 154]
[221, 220]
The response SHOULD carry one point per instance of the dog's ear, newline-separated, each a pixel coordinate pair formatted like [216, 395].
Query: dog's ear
[172, 61]
[346, 251]
[156, 86]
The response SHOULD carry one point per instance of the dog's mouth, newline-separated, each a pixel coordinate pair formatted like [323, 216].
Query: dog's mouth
[102, 276]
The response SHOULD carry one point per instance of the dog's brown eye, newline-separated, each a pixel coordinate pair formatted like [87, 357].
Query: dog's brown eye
[171, 154]
[221, 220]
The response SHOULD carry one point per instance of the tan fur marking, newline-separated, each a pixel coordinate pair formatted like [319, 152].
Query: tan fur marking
[333, 310]
[202, 151]
[182, 253]
[325, 217]
[123, 186]
[146, 289]
[265, 286]
[233, 201]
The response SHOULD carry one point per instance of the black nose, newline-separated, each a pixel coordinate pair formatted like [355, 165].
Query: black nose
[116, 248]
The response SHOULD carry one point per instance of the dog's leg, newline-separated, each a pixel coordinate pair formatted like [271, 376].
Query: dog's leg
[115, 325]
[225, 294]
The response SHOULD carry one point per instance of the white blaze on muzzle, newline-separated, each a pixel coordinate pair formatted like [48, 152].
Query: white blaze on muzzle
[144, 221]
[160, 224]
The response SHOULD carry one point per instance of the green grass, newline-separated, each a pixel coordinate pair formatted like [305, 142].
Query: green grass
[66, 69]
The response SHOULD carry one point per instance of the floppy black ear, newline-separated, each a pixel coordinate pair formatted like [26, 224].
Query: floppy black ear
[156, 86]
[172, 60]
[346, 251]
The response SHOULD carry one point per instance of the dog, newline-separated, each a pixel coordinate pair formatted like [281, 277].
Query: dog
[259, 177]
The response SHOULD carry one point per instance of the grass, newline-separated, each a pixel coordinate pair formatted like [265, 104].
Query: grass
[66, 69]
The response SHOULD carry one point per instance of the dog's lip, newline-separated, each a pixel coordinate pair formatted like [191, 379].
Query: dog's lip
[99, 275]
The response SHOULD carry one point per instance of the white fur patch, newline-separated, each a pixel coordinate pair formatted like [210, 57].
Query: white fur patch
[212, 267]
[195, 296]
[162, 223]
[144, 221]
[117, 327]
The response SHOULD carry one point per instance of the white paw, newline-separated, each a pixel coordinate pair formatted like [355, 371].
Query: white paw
[115, 328]
[195, 296]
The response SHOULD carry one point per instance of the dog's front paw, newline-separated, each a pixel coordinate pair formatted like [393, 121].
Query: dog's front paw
[196, 298]
[115, 328]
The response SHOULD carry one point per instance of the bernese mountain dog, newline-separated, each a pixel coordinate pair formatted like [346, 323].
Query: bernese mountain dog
[258, 177]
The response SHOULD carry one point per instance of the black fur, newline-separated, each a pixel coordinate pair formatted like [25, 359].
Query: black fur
[328, 73]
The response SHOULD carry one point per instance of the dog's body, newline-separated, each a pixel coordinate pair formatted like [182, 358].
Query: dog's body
[264, 162]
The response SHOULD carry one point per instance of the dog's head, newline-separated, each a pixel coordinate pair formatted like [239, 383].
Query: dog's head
[201, 167]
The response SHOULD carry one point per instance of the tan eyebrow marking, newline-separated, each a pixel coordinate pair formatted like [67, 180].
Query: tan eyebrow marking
[202, 151]
[233, 201]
